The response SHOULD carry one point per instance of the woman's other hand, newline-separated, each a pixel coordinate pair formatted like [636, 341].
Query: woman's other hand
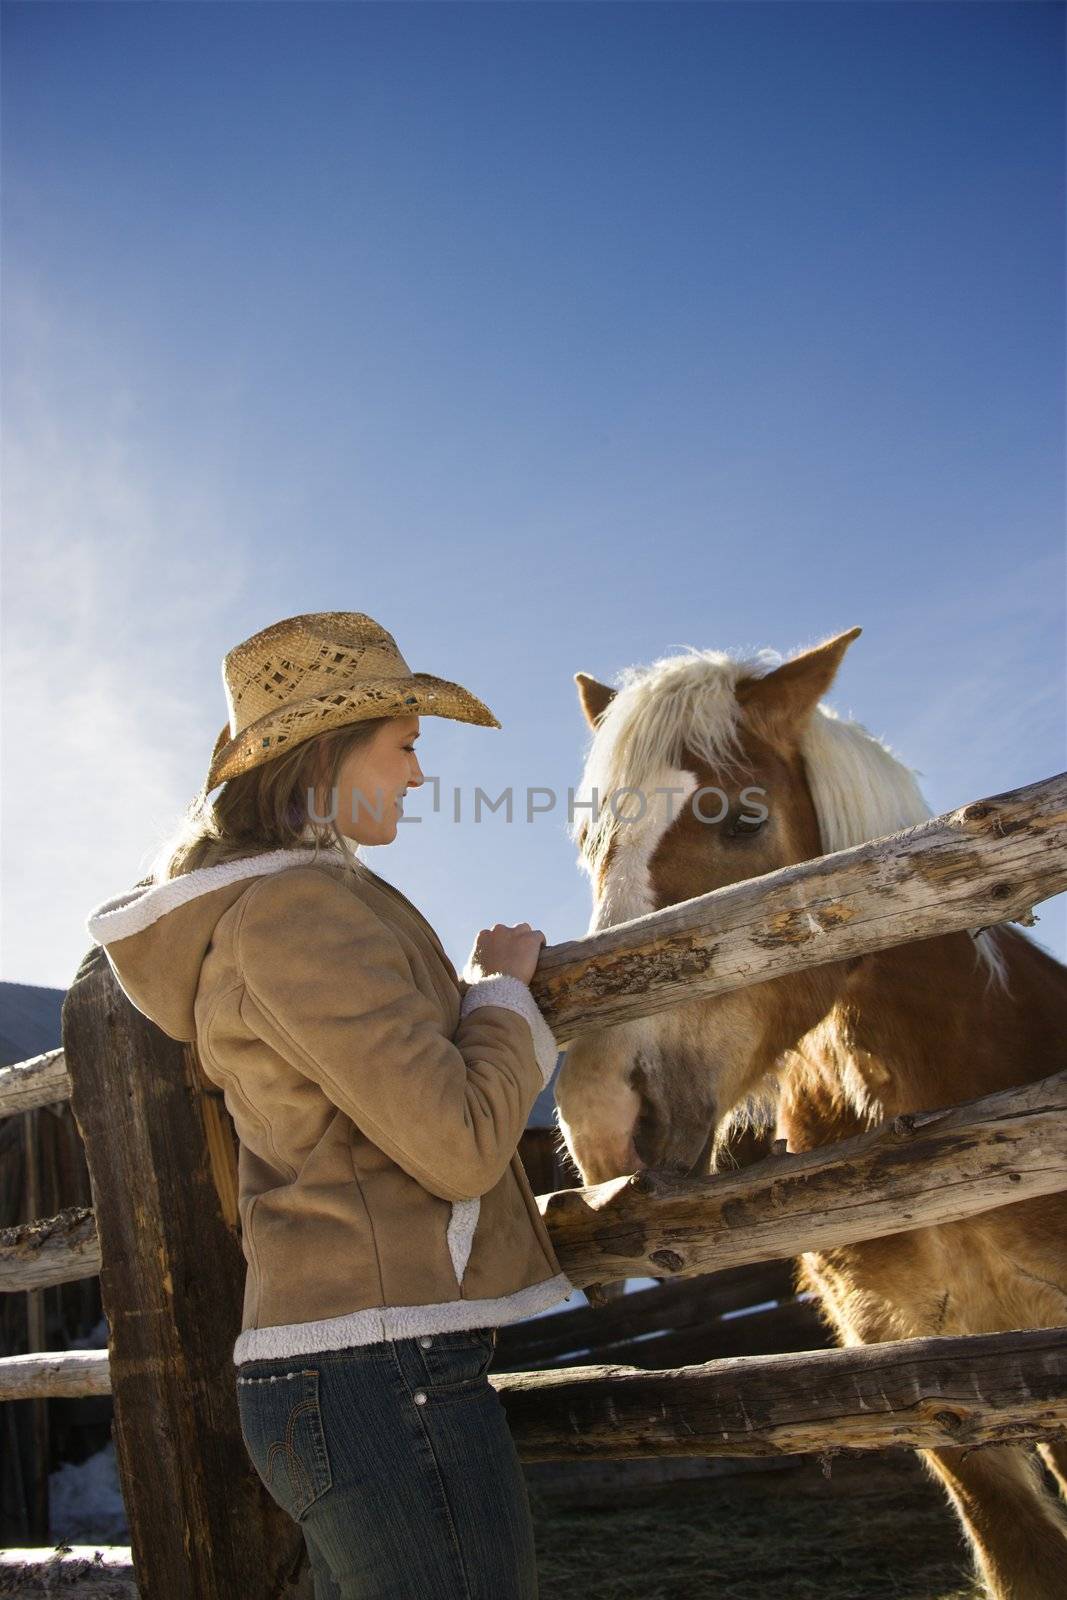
[510, 950]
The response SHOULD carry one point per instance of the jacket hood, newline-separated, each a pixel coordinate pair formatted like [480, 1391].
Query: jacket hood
[156, 935]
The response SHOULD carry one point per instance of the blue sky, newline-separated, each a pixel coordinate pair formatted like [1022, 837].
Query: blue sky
[555, 337]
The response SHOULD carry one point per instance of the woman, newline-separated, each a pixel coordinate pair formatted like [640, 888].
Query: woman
[387, 1222]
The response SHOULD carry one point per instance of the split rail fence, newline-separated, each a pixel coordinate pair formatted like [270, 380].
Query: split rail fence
[163, 1233]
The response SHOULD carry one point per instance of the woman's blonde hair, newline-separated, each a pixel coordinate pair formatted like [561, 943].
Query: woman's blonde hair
[267, 808]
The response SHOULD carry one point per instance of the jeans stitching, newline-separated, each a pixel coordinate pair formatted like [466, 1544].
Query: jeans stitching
[292, 1460]
[305, 1487]
[457, 1547]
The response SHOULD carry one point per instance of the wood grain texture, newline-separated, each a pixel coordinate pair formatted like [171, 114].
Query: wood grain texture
[921, 1169]
[202, 1525]
[985, 1389]
[40, 1081]
[987, 862]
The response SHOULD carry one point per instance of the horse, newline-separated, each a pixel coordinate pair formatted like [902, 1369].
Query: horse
[827, 1052]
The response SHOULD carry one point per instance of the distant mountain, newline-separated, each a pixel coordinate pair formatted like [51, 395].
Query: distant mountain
[29, 1021]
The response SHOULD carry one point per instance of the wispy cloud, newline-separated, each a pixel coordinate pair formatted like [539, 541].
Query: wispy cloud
[988, 712]
[993, 689]
[113, 611]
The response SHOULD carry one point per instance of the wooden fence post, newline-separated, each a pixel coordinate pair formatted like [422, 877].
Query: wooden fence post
[202, 1526]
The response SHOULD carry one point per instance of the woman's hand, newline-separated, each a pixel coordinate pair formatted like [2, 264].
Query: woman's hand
[503, 949]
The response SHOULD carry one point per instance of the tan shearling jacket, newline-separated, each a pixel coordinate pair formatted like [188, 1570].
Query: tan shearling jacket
[379, 1098]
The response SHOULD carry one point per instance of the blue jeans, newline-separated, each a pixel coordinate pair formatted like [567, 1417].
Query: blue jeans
[397, 1461]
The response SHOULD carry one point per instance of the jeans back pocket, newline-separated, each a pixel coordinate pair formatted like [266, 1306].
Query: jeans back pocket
[281, 1421]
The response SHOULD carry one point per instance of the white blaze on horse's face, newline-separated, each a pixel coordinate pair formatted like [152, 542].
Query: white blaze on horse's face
[646, 1092]
[625, 889]
[603, 1106]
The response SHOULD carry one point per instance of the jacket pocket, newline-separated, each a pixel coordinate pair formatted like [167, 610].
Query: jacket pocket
[281, 1423]
[461, 1226]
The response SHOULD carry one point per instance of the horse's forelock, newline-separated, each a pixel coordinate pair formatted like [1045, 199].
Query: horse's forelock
[860, 788]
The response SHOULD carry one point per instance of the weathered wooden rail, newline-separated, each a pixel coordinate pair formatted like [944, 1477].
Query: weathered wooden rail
[987, 862]
[983, 1389]
[168, 1253]
[931, 1167]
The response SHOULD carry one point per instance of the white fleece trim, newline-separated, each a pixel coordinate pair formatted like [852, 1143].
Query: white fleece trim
[461, 1228]
[376, 1323]
[137, 909]
[502, 989]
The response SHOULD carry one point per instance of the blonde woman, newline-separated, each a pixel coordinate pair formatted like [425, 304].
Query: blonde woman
[387, 1222]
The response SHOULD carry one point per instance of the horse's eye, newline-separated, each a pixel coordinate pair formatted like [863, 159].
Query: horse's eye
[740, 827]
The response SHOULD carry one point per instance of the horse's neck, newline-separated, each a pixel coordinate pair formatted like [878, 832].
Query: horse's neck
[925, 1025]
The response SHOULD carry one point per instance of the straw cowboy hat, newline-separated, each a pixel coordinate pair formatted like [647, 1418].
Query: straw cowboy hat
[322, 670]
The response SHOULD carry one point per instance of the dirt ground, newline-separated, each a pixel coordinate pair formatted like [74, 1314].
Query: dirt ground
[874, 1530]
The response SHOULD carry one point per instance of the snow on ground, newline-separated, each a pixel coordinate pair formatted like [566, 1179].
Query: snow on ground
[84, 1498]
[85, 1501]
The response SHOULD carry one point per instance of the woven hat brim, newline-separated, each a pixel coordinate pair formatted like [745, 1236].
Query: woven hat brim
[418, 695]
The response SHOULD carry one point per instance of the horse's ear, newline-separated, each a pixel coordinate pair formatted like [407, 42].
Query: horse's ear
[784, 700]
[593, 696]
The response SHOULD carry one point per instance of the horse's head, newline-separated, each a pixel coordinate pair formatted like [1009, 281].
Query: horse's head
[731, 769]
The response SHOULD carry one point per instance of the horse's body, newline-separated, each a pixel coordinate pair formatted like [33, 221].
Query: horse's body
[905, 1037]
[834, 1049]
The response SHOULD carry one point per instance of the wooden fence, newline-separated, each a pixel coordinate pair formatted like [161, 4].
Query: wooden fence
[162, 1231]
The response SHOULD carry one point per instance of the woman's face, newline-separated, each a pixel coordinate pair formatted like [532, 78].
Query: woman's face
[372, 779]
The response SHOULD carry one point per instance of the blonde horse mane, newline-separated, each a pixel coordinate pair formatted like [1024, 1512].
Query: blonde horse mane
[859, 788]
